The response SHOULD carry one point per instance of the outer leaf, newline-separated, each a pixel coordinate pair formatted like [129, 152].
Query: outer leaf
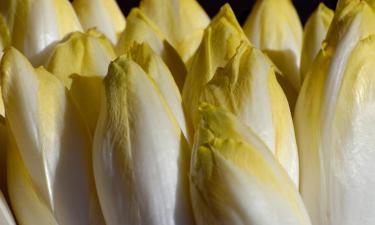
[219, 44]
[86, 54]
[314, 34]
[6, 217]
[155, 68]
[140, 156]
[51, 173]
[236, 180]
[141, 29]
[334, 122]
[275, 28]
[35, 25]
[182, 22]
[104, 15]
[248, 88]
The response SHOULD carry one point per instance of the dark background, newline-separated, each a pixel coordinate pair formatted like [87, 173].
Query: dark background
[241, 7]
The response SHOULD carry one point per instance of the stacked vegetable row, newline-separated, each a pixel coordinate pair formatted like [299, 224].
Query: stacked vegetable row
[173, 118]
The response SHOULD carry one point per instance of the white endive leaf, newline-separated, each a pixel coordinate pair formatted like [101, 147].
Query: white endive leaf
[155, 68]
[104, 15]
[235, 179]
[181, 21]
[219, 44]
[141, 158]
[313, 35]
[274, 27]
[52, 147]
[335, 123]
[6, 217]
[248, 88]
[86, 54]
[141, 29]
[35, 25]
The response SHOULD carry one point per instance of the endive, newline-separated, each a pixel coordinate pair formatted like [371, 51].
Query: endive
[104, 15]
[335, 123]
[141, 29]
[140, 155]
[313, 35]
[182, 22]
[275, 28]
[247, 87]
[49, 167]
[235, 179]
[155, 68]
[81, 61]
[219, 44]
[35, 25]
[6, 217]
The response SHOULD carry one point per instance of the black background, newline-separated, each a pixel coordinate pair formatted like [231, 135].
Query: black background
[241, 7]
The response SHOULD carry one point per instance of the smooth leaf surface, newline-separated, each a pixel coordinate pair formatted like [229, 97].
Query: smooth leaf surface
[141, 158]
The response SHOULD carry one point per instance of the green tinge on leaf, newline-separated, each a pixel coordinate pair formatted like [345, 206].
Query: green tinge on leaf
[141, 158]
[235, 179]
[219, 44]
[247, 87]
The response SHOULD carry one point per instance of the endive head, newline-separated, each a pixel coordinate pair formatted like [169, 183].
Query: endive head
[104, 15]
[219, 44]
[182, 22]
[141, 29]
[140, 155]
[86, 54]
[234, 177]
[274, 27]
[52, 143]
[248, 88]
[314, 34]
[35, 25]
[332, 114]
